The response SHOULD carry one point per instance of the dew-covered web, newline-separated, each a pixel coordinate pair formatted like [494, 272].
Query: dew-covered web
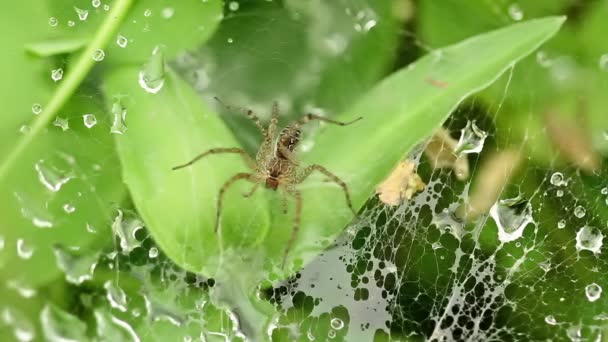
[511, 248]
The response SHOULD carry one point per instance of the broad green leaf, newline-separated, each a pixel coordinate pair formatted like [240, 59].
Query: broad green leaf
[179, 207]
[400, 112]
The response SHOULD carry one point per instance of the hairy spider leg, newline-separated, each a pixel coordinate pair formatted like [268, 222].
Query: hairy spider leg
[315, 167]
[310, 117]
[250, 114]
[252, 191]
[224, 188]
[296, 225]
[250, 162]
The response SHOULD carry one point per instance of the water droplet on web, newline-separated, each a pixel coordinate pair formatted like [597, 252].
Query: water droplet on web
[23, 329]
[152, 77]
[77, 269]
[116, 296]
[57, 74]
[71, 23]
[153, 252]
[604, 191]
[89, 120]
[557, 179]
[61, 123]
[515, 12]
[41, 223]
[99, 55]
[50, 176]
[36, 108]
[511, 217]
[543, 60]
[336, 323]
[24, 290]
[233, 6]
[125, 226]
[53, 21]
[230, 40]
[550, 320]
[593, 292]
[589, 238]
[331, 334]
[471, 139]
[23, 250]
[369, 25]
[96, 3]
[579, 211]
[119, 125]
[122, 41]
[603, 62]
[90, 228]
[147, 12]
[108, 325]
[187, 338]
[167, 12]
[82, 14]
[68, 208]
[160, 312]
[561, 224]
[559, 193]
[106, 7]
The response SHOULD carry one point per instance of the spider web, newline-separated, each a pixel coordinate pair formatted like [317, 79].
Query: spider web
[529, 268]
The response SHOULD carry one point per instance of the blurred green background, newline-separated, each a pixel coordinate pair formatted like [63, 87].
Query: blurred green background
[99, 242]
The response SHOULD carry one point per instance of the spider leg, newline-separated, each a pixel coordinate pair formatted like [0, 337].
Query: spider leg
[223, 189]
[250, 114]
[284, 201]
[252, 191]
[315, 167]
[310, 117]
[296, 226]
[240, 151]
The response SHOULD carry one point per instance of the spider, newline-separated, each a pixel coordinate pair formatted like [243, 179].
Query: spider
[275, 165]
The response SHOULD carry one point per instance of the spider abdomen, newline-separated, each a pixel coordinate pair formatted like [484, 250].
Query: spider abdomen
[288, 138]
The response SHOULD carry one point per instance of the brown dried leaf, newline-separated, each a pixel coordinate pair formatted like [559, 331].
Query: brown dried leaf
[440, 152]
[400, 185]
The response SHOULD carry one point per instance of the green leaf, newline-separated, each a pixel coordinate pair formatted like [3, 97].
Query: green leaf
[167, 129]
[397, 114]
[48, 48]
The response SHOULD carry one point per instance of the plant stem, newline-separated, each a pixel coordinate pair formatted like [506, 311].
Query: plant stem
[75, 76]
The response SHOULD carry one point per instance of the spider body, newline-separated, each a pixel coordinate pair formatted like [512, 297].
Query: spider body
[275, 166]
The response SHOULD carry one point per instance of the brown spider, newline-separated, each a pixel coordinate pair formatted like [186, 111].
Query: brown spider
[275, 167]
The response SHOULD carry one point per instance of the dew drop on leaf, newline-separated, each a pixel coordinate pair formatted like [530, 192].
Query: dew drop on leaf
[561, 224]
[57, 74]
[82, 14]
[125, 225]
[147, 12]
[589, 238]
[77, 269]
[579, 211]
[515, 12]
[550, 319]
[99, 55]
[50, 176]
[122, 41]
[61, 123]
[89, 120]
[119, 114]
[23, 250]
[25, 129]
[36, 108]
[557, 179]
[71, 23]
[53, 21]
[153, 252]
[593, 292]
[116, 296]
[96, 3]
[167, 12]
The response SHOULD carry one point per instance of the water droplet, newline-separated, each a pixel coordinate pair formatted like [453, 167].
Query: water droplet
[603, 62]
[579, 211]
[82, 14]
[90, 228]
[167, 12]
[230, 40]
[331, 334]
[24, 251]
[543, 60]
[53, 21]
[187, 338]
[593, 292]
[158, 311]
[119, 125]
[147, 12]
[108, 325]
[2, 242]
[25, 129]
[589, 238]
[68, 208]
[71, 23]
[336, 323]
[77, 269]
[41, 223]
[99, 55]
[89, 120]
[61, 123]
[57, 74]
[561, 224]
[125, 226]
[60, 326]
[511, 217]
[604, 191]
[106, 7]
[153, 252]
[36, 108]
[233, 6]
[471, 139]
[557, 179]
[51, 177]
[152, 77]
[116, 296]
[515, 12]
[96, 3]
[559, 193]
[23, 329]
[369, 25]
[550, 320]
[24, 290]
[122, 41]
